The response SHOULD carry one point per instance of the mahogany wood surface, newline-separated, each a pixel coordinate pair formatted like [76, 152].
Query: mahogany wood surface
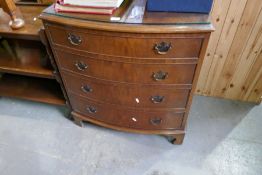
[128, 117]
[139, 46]
[112, 69]
[32, 23]
[117, 71]
[174, 136]
[56, 73]
[170, 132]
[26, 56]
[29, 88]
[26, 59]
[34, 2]
[133, 95]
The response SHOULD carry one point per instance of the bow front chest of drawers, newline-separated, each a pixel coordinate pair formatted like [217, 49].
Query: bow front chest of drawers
[130, 75]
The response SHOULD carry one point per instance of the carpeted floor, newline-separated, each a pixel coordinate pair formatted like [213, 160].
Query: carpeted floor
[224, 138]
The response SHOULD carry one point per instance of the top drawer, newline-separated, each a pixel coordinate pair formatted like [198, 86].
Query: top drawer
[128, 45]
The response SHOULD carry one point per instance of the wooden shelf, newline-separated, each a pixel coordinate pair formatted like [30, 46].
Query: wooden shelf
[32, 23]
[34, 2]
[24, 70]
[35, 89]
[26, 61]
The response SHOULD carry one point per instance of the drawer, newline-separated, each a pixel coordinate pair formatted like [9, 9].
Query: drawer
[134, 95]
[128, 45]
[127, 117]
[127, 72]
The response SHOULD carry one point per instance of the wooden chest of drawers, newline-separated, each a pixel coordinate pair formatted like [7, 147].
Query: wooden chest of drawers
[130, 77]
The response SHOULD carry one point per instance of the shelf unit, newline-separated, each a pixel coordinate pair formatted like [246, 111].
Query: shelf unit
[25, 70]
[31, 88]
[26, 59]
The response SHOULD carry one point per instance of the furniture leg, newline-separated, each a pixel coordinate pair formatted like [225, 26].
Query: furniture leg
[78, 122]
[176, 139]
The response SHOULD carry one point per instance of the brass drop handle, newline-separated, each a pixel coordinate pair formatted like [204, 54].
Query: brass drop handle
[74, 39]
[91, 110]
[163, 48]
[81, 65]
[157, 99]
[86, 89]
[160, 75]
[156, 121]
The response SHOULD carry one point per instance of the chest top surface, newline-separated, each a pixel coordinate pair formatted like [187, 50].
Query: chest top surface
[132, 17]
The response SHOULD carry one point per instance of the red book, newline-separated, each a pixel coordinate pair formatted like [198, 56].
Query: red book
[93, 3]
[83, 9]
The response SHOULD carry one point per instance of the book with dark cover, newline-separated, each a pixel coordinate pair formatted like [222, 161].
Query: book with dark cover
[183, 6]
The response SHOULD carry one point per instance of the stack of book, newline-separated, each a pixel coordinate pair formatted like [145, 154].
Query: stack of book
[103, 7]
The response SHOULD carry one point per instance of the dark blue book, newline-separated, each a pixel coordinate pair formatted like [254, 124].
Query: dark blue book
[185, 6]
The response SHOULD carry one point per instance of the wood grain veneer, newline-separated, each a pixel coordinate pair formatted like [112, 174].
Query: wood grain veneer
[111, 70]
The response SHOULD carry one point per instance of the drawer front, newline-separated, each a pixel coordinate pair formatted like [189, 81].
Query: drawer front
[143, 96]
[126, 117]
[127, 72]
[128, 45]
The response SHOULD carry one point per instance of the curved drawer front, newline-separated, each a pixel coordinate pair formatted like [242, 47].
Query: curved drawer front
[126, 117]
[127, 72]
[141, 96]
[128, 45]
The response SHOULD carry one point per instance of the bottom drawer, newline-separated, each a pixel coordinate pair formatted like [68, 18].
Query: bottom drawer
[127, 117]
